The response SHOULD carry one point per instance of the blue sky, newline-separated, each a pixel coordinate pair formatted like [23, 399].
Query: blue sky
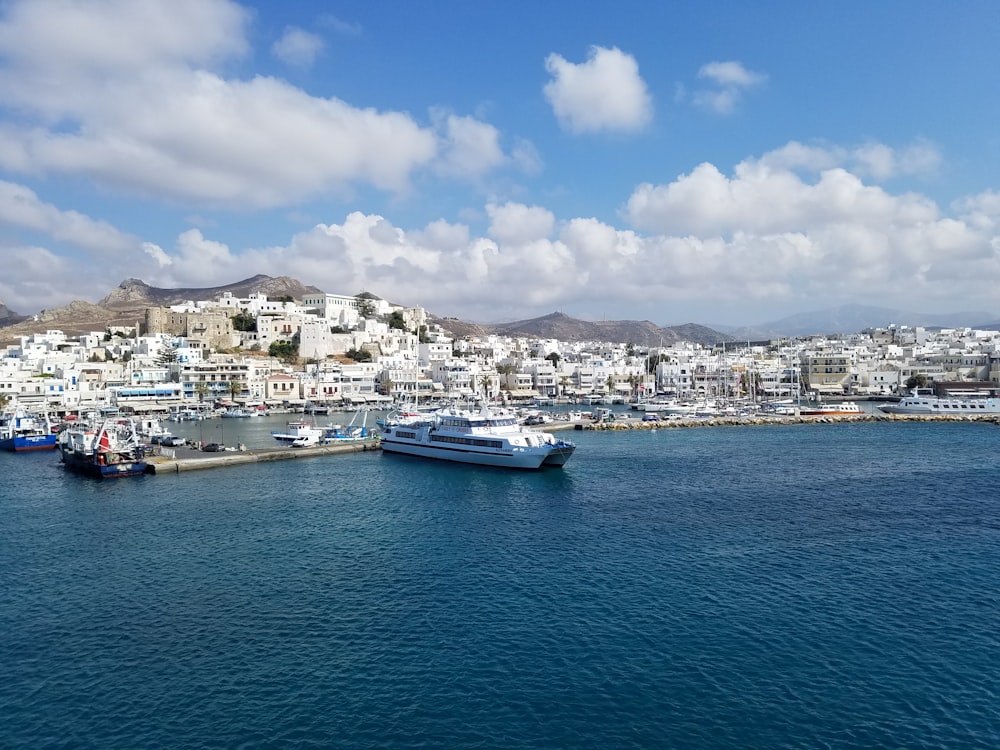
[724, 162]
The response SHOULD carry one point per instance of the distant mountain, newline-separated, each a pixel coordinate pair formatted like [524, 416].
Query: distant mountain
[564, 328]
[852, 319]
[8, 316]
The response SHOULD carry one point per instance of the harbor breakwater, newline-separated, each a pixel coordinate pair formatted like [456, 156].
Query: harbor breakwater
[639, 424]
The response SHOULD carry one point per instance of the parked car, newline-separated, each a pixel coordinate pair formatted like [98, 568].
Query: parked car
[172, 441]
[213, 447]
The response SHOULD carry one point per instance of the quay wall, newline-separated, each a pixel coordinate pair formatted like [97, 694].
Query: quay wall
[197, 461]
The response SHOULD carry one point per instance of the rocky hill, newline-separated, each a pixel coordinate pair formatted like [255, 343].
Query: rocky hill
[126, 305]
[563, 327]
[133, 293]
[8, 316]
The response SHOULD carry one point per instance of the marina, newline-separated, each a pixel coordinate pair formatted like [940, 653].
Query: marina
[204, 444]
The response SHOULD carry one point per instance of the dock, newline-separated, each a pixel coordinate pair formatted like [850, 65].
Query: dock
[192, 460]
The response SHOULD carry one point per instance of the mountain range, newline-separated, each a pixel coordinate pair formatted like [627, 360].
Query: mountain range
[125, 305]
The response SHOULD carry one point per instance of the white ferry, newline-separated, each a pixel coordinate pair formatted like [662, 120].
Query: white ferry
[943, 407]
[485, 436]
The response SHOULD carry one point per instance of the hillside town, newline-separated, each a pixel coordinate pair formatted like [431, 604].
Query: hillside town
[340, 351]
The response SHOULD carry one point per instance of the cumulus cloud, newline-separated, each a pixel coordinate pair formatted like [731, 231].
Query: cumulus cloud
[469, 148]
[516, 223]
[730, 80]
[131, 94]
[297, 47]
[605, 93]
[21, 209]
[767, 232]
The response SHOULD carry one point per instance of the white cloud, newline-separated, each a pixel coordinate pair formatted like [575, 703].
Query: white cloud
[605, 93]
[516, 223]
[297, 47]
[125, 93]
[469, 148]
[731, 79]
[706, 243]
[21, 209]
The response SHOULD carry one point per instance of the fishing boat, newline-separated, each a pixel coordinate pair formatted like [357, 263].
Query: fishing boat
[354, 432]
[20, 431]
[109, 449]
[301, 434]
[485, 436]
[298, 432]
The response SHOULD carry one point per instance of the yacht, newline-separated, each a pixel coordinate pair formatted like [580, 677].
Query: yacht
[485, 436]
[838, 409]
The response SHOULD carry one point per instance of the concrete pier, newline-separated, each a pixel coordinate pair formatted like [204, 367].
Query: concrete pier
[190, 460]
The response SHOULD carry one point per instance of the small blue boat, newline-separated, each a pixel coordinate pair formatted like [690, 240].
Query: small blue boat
[20, 431]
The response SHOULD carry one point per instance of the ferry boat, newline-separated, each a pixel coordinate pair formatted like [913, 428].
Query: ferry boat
[108, 450]
[488, 437]
[943, 407]
[20, 431]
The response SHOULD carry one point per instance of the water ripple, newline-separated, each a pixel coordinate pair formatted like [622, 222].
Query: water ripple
[772, 588]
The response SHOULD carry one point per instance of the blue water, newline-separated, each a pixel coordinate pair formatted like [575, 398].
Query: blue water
[825, 586]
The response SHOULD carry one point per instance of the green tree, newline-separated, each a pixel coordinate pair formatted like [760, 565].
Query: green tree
[396, 321]
[610, 383]
[235, 387]
[505, 370]
[167, 355]
[359, 355]
[366, 307]
[286, 351]
[486, 383]
[553, 358]
[201, 389]
[422, 336]
[244, 321]
[918, 380]
[563, 384]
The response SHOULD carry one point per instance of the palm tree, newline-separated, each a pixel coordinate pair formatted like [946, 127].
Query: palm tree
[486, 383]
[201, 389]
[235, 387]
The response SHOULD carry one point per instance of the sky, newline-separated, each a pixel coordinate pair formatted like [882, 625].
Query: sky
[716, 162]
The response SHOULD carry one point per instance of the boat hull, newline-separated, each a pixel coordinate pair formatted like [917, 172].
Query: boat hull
[509, 460]
[88, 466]
[943, 407]
[22, 443]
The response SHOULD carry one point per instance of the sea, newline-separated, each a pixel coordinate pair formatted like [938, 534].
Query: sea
[793, 586]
